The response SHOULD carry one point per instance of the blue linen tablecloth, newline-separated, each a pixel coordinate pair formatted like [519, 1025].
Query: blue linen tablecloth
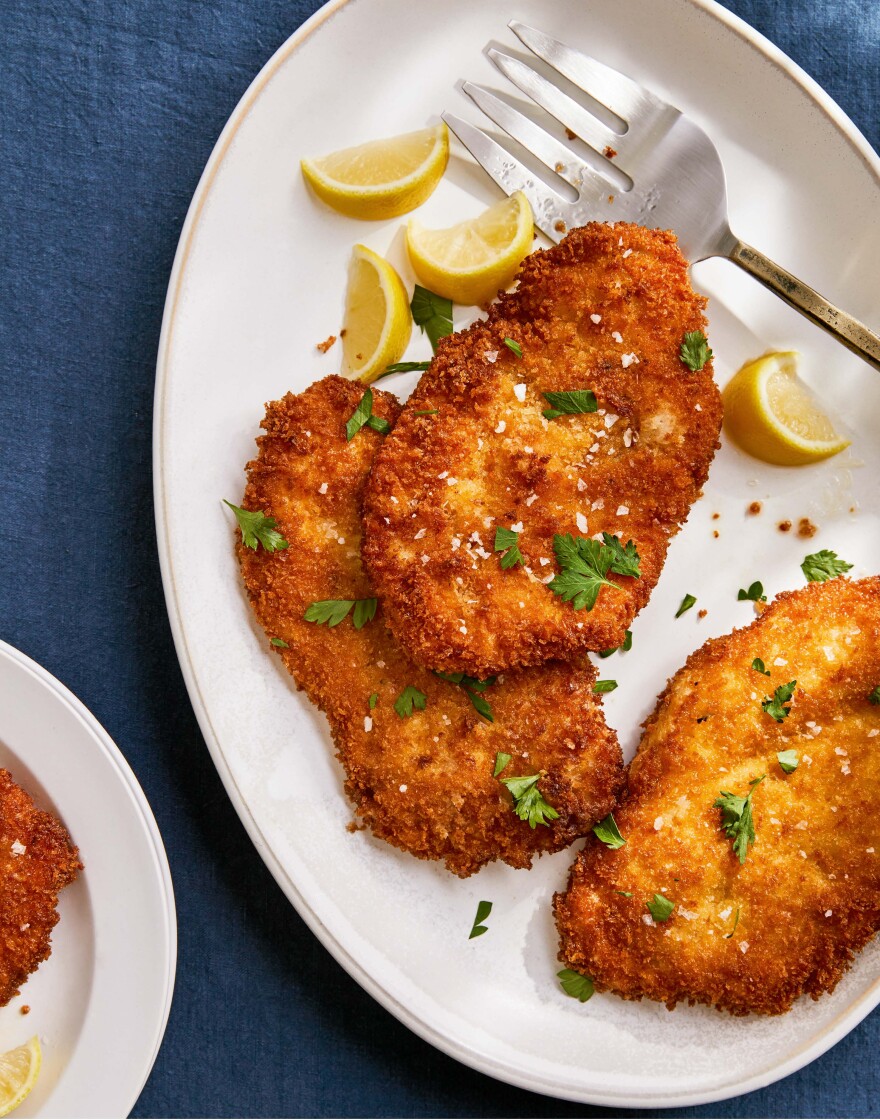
[110, 111]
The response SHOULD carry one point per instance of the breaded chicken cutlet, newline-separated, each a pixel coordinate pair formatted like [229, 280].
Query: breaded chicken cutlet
[422, 781]
[605, 311]
[746, 936]
[37, 860]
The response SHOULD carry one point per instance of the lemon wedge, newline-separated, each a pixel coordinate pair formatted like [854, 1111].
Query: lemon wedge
[377, 316]
[382, 178]
[19, 1069]
[469, 263]
[775, 417]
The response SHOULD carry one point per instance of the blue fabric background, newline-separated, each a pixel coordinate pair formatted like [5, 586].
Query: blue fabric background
[110, 110]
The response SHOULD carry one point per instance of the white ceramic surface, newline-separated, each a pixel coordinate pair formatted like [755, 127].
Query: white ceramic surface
[100, 1003]
[258, 282]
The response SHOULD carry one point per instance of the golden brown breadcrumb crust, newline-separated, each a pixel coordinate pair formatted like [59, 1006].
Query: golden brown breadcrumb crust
[30, 880]
[752, 937]
[423, 783]
[443, 483]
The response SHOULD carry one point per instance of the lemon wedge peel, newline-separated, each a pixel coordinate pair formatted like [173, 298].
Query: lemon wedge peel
[774, 416]
[471, 262]
[377, 321]
[382, 178]
[19, 1070]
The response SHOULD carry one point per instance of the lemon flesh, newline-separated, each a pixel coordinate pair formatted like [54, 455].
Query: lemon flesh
[19, 1070]
[470, 262]
[382, 178]
[378, 323]
[774, 416]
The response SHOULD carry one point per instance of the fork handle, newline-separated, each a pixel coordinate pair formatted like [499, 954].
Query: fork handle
[853, 334]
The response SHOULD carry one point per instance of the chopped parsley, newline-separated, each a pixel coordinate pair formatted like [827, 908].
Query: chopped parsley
[333, 611]
[432, 314]
[513, 346]
[427, 412]
[575, 984]
[373, 700]
[257, 528]
[819, 566]
[280, 642]
[484, 909]
[507, 541]
[728, 936]
[788, 760]
[661, 908]
[408, 699]
[686, 604]
[755, 592]
[570, 403]
[584, 565]
[626, 645]
[362, 415]
[501, 760]
[695, 350]
[775, 705]
[474, 689]
[736, 818]
[604, 686]
[404, 367]
[758, 666]
[626, 894]
[528, 801]
[608, 832]
[874, 697]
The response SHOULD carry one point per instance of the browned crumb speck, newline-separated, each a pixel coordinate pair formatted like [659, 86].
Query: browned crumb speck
[715, 533]
[560, 226]
[702, 613]
[754, 508]
[24, 1009]
[715, 516]
[784, 526]
[326, 344]
[571, 135]
[806, 528]
[609, 152]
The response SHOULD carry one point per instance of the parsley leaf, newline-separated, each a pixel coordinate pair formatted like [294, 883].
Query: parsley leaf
[432, 313]
[408, 699]
[758, 666]
[575, 984]
[819, 566]
[484, 909]
[585, 564]
[570, 403]
[604, 686]
[755, 592]
[373, 700]
[788, 760]
[775, 705]
[686, 604]
[736, 819]
[874, 697]
[427, 412]
[501, 760]
[513, 346]
[626, 894]
[333, 611]
[257, 528]
[362, 415]
[608, 832]
[528, 802]
[403, 367]
[507, 541]
[728, 936]
[627, 645]
[695, 350]
[626, 559]
[473, 687]
[661, 908]
[280, 642]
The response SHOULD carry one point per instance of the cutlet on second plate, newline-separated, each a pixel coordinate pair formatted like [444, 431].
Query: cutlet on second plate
[604, 313]
[37, 859]
[419, 757]
[750, 872]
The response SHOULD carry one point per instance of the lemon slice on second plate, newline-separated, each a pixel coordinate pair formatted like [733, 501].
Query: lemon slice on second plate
[382, 178]
[378, 323]
[775, 417]
[19, 1069]
[470, 262]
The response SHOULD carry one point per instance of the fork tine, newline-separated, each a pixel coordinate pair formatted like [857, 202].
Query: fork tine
[558, 158]
[549, 208]
[614, 90]
[558, 104]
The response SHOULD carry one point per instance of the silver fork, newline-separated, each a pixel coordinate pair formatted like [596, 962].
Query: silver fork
[677, 180]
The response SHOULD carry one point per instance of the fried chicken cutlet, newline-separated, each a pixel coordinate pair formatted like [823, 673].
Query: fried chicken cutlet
[422, 781]
[746, 936]
[37, 859]
[604, 311]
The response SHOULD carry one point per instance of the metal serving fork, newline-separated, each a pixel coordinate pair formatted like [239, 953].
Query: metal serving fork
[677, 180]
